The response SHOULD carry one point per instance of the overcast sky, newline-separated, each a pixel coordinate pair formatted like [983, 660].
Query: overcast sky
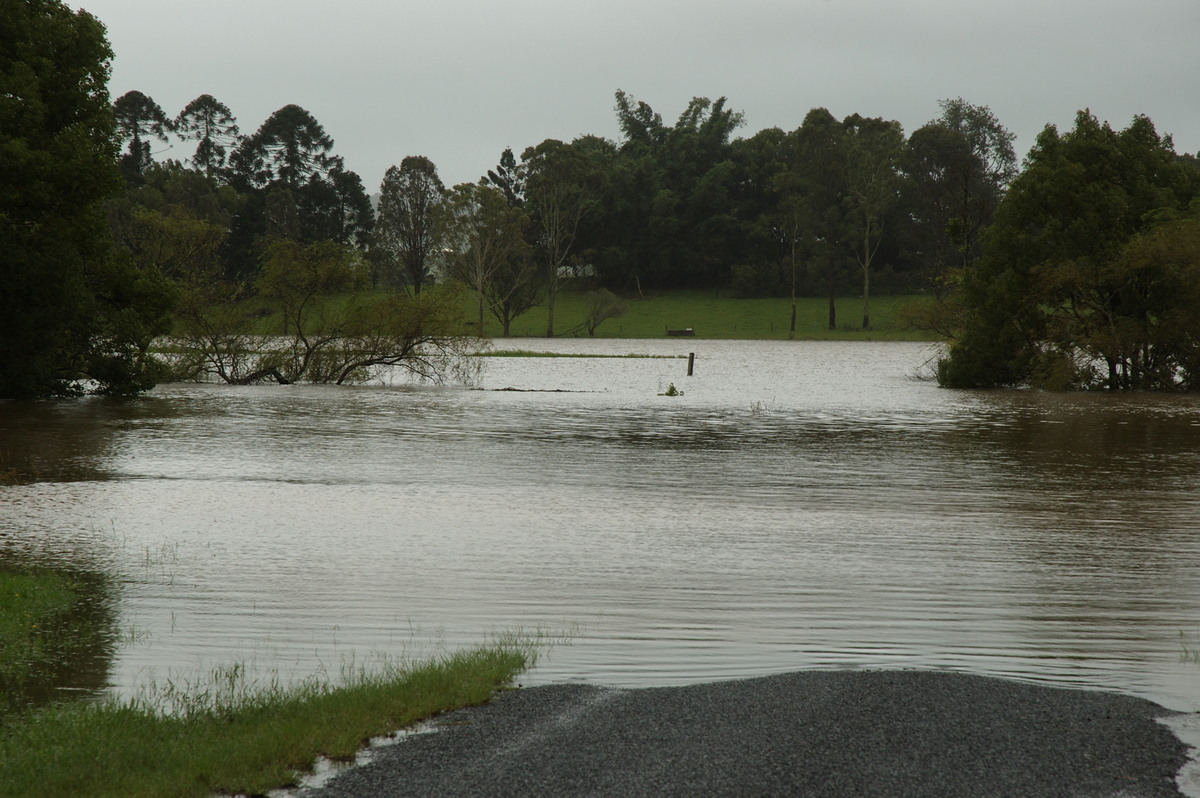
[459, 80]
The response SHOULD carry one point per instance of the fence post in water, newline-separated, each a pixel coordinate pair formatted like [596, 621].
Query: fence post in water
[691, 362]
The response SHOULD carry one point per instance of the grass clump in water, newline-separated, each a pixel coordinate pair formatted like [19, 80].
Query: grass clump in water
[237, 736]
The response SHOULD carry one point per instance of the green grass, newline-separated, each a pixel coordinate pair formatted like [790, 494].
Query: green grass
[230, 735]
[712, 315]
[31, 607]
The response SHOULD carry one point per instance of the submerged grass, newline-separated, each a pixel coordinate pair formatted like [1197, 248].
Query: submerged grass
[237, 736]
[31, 604]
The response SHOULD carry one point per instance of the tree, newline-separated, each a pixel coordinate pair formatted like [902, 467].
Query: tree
[560, 189]
[959, 167]
[509, 177]
[69, 311]
[1067, 291]
[208, 121]
[488, 251]
[681, 227]
[139, 119]
[409, 229]
[819, 174]
[336, 207]
[288, 149]
[872, 189]
[601, 305]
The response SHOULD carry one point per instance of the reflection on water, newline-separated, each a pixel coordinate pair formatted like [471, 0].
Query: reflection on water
[801, 505]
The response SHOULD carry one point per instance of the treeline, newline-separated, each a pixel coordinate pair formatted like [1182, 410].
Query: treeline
[829, 207]
[1074, 269]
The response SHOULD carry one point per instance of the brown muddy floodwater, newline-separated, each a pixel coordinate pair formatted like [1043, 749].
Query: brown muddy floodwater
[801, 505]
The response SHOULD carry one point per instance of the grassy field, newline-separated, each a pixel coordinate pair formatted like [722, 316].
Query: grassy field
[714, 316]
[225, 733]
[708, 313]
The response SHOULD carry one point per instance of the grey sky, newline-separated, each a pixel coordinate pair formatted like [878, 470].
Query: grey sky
[459, 80]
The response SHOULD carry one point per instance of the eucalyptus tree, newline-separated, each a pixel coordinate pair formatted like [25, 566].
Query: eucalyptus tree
[873, 149]
[487, 251]
[409, 228]
[561, 187]
[210, 123]
[139, 121]
[814, 193]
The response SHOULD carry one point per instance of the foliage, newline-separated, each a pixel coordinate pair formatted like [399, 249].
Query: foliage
[69, 312]
[560, 188]
[1080, 284]
[485, 236]
[209, 122]
[139, 119]
[959, 167]
[410, 229]
[329, 328]
[601, 305]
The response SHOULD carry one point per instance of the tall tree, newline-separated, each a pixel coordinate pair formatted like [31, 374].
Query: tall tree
[139, 120]
[409, 228]
[209, 122]
[560, 189]
[959, 167]
[287, 149]
[509, 177]
[818, 180]
[872, 189]
[488, 251]
[68, 309]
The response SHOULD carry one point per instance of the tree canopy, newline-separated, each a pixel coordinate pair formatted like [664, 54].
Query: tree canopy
[70, 311]
[1084, 279]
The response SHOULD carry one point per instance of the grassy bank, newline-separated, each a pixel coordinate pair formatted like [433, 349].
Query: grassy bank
[231, 735]
[712, 315]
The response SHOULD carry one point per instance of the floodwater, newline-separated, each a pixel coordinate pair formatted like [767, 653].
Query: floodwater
[800, 505]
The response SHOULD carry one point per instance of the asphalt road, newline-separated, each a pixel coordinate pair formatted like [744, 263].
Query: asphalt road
[816, 733]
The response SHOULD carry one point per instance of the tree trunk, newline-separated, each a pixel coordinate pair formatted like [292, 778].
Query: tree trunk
[551, 294]
[866, 324]
[792, 328]
[832, 304]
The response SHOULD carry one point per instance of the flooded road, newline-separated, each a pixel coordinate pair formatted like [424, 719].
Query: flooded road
[801, 505]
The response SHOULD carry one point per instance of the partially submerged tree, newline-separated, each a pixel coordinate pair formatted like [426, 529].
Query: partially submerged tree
[1077, 286]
